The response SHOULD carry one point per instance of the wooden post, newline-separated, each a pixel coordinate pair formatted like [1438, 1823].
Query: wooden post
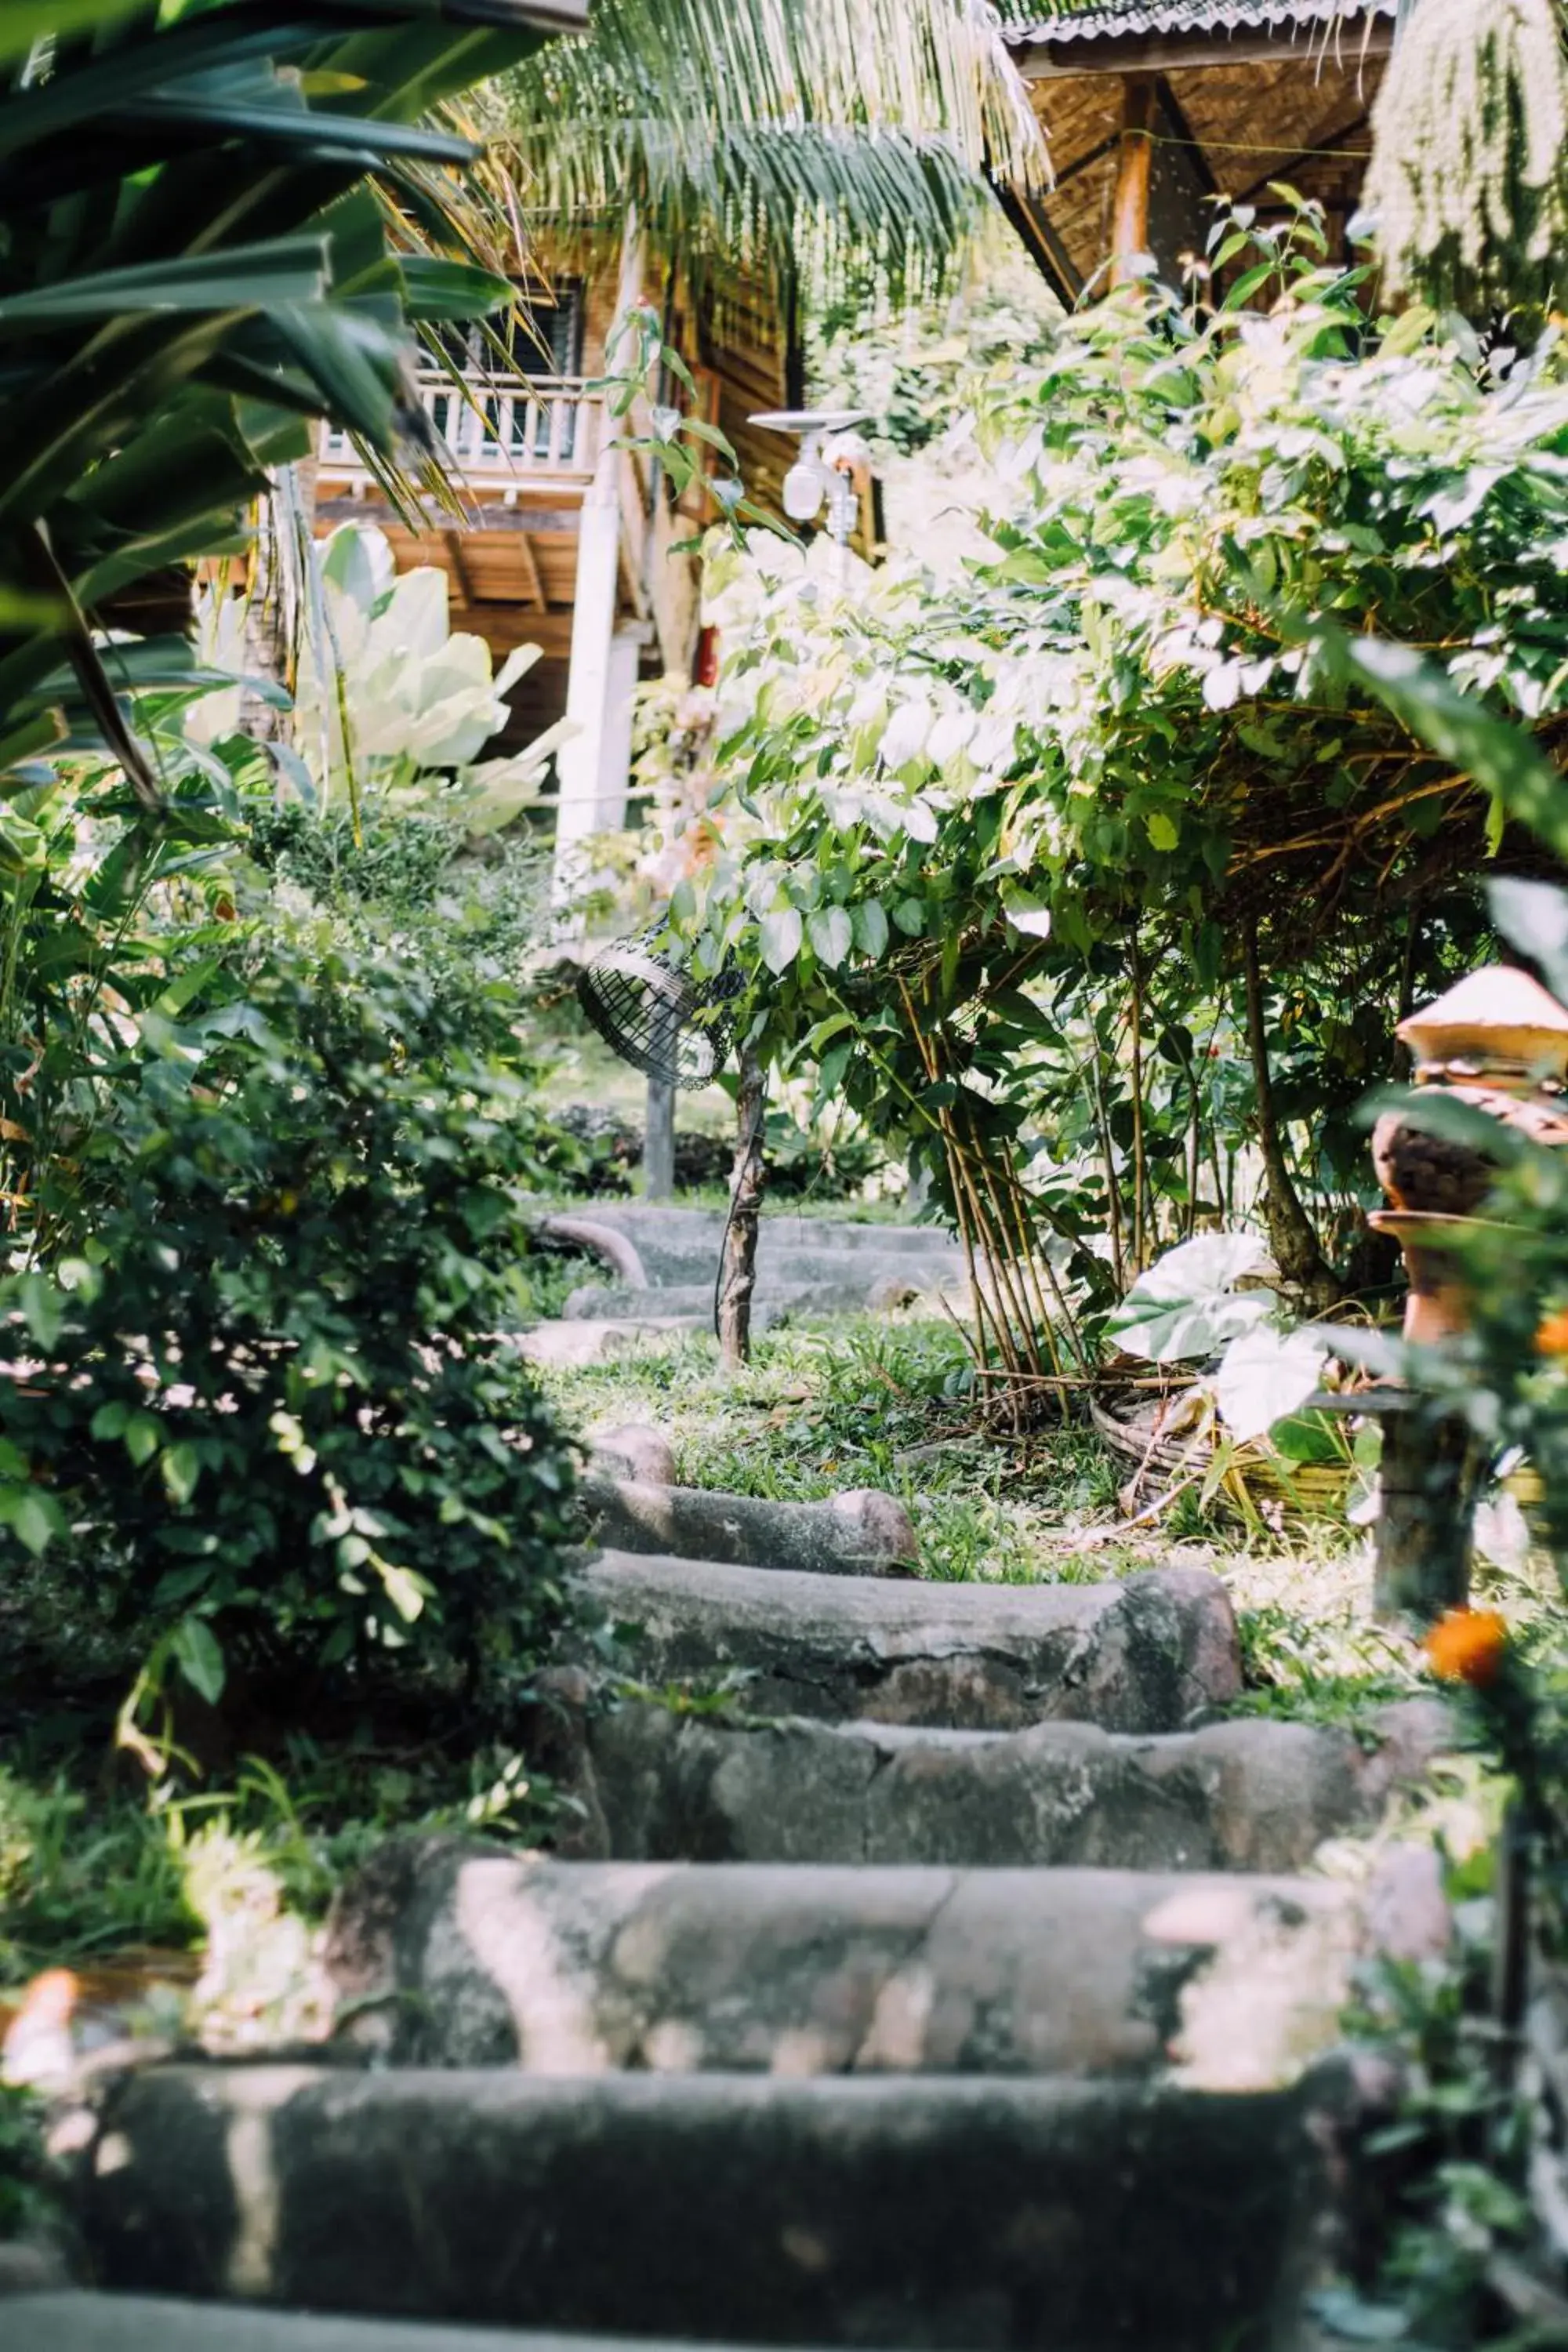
[1129, 215]
[738, 1269]
[659, 1142]
[1426, 1494]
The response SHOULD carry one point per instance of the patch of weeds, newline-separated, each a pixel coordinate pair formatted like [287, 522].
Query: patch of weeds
[79, 1877]
[695, 1695]
[1317, 1671]
[553, 1274]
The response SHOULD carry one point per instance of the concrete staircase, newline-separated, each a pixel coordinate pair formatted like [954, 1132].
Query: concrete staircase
[923, 1965]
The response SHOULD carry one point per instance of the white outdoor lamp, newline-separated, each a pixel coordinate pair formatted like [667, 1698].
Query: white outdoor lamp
[813, 478]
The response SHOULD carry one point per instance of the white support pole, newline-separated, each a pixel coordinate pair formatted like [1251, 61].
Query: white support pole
[600, 743]
[616, 737]
[580, 759]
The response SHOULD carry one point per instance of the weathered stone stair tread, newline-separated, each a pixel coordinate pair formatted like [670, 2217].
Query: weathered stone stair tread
[590, 1341]
[83, 2322]
[1061, 2217]
[682, 1245]
[815, 1291]
[1248, 1795]
[861, 1532]
[454, 1954]
[1143, 1654]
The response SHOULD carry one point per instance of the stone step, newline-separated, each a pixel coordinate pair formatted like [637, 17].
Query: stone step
[569, 1345]
[1147, 1654]
[815, 1291]
[863, 1532]
[83, 2322]
[1251, 1795]
[910, 2212]
[683, 1244]
[447, 1953]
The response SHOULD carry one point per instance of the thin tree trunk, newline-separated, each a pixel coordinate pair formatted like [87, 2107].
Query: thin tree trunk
[738, 1268]
[1291, 1234]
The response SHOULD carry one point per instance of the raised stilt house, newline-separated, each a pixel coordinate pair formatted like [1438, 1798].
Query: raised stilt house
[555, 536]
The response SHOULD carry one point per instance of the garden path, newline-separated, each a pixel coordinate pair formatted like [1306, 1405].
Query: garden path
[925, 1964]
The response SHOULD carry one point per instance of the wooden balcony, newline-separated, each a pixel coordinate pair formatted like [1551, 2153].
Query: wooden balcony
[506, 437]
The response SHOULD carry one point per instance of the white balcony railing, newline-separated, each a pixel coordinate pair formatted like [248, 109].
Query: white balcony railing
[500, 432]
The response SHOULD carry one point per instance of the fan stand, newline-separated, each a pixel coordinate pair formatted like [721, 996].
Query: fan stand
[677, 1031]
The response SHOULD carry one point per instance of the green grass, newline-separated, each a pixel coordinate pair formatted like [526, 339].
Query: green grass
[874, 1401]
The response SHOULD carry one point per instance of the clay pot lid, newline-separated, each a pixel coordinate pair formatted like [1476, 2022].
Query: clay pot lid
[1496, 1014]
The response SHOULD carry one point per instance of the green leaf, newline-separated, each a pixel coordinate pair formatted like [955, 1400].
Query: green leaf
[1185, 1306]
[235, 278]
[832, 934]
[143, 1435]
[1026, 913]
[182, 1469]
[437, 290]
[1162, 829]
[34, 1516]
[1265, 1376]
[196, 1652]
[780, 936]
[870, 927]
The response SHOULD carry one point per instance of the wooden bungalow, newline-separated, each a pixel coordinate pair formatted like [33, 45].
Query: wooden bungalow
[1155, 107]
[1150, 108]
[556, 538]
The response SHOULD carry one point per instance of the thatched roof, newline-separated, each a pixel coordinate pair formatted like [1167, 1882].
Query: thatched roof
[1245, 92]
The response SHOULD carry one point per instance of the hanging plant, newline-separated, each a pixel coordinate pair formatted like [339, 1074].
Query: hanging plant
[1468, 185]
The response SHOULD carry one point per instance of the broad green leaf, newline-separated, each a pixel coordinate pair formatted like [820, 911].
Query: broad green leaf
[34, 1516]
[780, 936]
[143, 1435]
[1186, 1304]
[1162, 829]
[196, 1652]
[870, 927]
[1266, 1375]
[1026, 913]
[182, 1469]
[832, 934]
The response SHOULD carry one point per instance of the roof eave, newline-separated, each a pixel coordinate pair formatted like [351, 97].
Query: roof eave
[1050, 53]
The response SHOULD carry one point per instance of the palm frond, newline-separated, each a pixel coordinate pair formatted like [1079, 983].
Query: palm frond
[750, 138]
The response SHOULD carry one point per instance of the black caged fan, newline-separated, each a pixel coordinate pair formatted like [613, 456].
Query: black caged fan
[650, 1010]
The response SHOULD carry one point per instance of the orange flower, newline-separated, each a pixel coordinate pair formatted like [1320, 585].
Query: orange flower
[1467, 1647]
[1551, 1336]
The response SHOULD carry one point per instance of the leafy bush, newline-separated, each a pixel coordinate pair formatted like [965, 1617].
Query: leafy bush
[273, 1417]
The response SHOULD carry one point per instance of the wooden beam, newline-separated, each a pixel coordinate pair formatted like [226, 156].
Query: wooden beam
[1040, 241]
[1130, 207]
[1048, 59]
[531, 566]
[1176, 121]
[452, 541]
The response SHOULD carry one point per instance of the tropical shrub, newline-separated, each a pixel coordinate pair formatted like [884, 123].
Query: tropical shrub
[1012, 862]
[268, 1412]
